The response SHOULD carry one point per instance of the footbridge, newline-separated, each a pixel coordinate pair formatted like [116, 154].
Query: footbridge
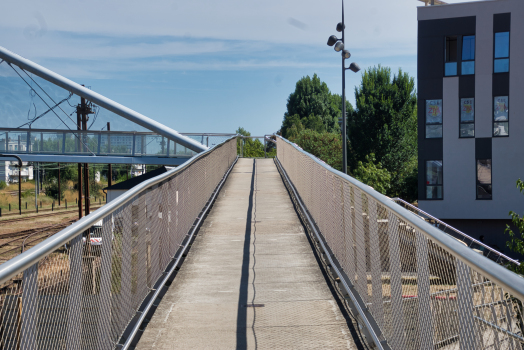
[227, 252]
[236, 253]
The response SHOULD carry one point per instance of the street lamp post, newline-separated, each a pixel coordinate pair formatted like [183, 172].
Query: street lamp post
[339, 46]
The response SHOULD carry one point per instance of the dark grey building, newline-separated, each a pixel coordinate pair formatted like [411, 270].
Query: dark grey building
[470, 120]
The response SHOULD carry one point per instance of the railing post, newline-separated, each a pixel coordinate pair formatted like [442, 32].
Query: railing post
[425, 316]
[134, 143]
[99, 142]
[104, 315]
[397, 310]
[29, 327]
[467, 329]
[377, 304]
[74, 311]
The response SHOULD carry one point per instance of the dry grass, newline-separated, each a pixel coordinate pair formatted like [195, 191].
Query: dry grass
[9, 196]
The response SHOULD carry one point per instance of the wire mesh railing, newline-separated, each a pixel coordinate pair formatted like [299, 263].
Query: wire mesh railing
[478, 246]
[100, 143]
[68, 293]
[413, 286]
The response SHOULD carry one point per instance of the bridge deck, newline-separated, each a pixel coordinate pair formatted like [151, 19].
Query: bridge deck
[251, 251]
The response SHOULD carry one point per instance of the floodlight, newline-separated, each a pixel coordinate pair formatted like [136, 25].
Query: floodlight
[340, 27]
[332, 40]
[346, 54]
[354, 67]
[339, 46]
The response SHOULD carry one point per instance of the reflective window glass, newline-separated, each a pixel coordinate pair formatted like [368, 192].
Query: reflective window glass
[468, 48]
[467, 130]
[433, 119]
[468, 68]
[484, 179]
[434, 179]
[501, 65]
[502, 45]
[450, 68]
[434, 172]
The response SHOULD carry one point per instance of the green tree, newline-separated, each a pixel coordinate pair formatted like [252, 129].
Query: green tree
[373, 174]
[516, 244]
[324, 145]
[253, 148]
[312, 106]
[385, 123]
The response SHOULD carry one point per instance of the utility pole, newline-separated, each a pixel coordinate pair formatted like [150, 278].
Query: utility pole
[80, 192]
[110, 168]
[85, 112]
[59, 192]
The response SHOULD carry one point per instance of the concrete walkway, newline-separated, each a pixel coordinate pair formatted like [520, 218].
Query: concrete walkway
[250, 280]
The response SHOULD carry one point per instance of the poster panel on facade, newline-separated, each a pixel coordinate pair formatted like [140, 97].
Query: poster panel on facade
[433, 111]
[467, 110]
[501, 108]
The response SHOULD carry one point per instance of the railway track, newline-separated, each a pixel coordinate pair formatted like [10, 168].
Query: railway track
[14, 243]
[54, 213]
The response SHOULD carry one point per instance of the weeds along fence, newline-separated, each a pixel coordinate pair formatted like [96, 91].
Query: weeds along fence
[411, 285]
[66, 293]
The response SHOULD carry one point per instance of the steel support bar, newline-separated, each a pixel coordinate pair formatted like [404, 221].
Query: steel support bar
[100, 100]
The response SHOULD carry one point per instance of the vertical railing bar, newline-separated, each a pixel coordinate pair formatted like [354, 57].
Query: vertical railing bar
[467, 334]
[104, 316]
[376, 266]
[29, 324]
[74, 315]
[425, 317]
[397, 336]
[360, 244]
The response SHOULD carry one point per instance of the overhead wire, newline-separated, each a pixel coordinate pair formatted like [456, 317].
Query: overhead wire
[67, 126]
[49, 110]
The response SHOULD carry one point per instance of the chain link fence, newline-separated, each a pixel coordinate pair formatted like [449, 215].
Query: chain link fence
[419, 288]
[81, 288]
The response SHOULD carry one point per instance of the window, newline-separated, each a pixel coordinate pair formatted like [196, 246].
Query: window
[468, 55]
[500, 116]
[450, 67]
[434, 179]
[501, 61]
[467, 117]
[483, 178]
[433, 119]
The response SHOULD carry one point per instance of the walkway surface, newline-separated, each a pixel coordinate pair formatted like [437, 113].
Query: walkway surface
[250, 280]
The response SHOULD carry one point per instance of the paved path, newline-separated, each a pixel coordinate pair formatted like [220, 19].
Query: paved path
[251, 251]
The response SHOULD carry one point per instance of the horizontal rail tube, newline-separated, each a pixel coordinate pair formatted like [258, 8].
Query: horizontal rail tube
[100, 100]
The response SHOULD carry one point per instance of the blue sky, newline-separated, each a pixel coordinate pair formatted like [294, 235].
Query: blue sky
[202, 65]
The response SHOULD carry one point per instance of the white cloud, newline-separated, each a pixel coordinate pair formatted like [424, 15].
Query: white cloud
[122, 31]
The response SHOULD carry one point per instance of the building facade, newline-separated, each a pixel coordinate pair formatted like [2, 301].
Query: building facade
[471, 128]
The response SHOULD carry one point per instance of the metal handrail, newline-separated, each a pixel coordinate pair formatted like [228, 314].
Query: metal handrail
[108, 132]
[510, 281]
[23, 261]
[102, 101]
[516, 262]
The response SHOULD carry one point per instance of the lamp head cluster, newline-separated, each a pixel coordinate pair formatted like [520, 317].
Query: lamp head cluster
[339, 46]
